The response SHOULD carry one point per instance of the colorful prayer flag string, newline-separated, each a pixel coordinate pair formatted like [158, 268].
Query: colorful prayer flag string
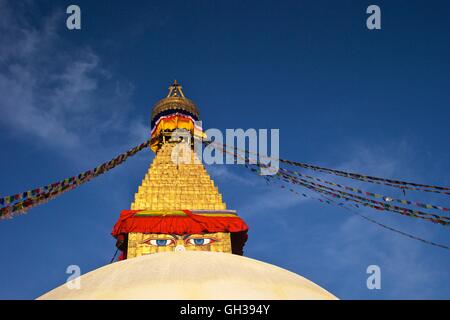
[286, 174]
[371, 179]
[349, 197]
[353, 211]
[371, 194]
[35, 197]
[368, 202]
[356, 176]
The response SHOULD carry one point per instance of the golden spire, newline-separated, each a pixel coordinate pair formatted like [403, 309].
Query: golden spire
[177, 207]
[175, 90]
[175, 101]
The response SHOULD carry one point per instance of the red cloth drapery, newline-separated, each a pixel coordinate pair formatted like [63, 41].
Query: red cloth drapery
[189, 223]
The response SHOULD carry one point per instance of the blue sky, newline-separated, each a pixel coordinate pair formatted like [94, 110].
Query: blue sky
[344, 97]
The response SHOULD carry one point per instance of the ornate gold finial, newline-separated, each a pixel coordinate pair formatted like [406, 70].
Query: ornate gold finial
[175, 90]
[175, 100]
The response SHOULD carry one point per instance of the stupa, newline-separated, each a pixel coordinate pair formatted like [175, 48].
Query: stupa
[179, 240]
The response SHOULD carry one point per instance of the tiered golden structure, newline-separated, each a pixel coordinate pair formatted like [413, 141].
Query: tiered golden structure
[169, 186]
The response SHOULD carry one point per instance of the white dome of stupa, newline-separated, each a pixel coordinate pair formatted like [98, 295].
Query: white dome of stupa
[191, 275]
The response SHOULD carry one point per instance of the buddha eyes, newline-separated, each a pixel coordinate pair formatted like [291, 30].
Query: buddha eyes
[200, 241]
[170, 242]
[161, 242]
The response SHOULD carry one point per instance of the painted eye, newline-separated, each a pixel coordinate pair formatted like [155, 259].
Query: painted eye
[160, 242]
[200, 241]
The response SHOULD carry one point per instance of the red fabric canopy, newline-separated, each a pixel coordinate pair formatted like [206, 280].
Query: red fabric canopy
[187, 224]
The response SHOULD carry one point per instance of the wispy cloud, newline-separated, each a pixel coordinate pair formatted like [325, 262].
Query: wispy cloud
[59, 94]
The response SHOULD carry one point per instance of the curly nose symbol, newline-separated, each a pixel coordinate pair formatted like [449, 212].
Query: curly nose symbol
[180, 248]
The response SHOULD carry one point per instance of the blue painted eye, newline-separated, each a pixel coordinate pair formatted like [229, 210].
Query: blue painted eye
[161, 242]
[200, 241]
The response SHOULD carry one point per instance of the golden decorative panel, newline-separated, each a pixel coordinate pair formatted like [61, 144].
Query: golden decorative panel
[171, 186]
[141, 244]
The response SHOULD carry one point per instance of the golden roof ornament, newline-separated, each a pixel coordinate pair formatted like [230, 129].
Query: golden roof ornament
[175, 89]
[175, 101]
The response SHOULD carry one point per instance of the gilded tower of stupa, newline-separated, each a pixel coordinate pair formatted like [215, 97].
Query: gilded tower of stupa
[178, 207]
